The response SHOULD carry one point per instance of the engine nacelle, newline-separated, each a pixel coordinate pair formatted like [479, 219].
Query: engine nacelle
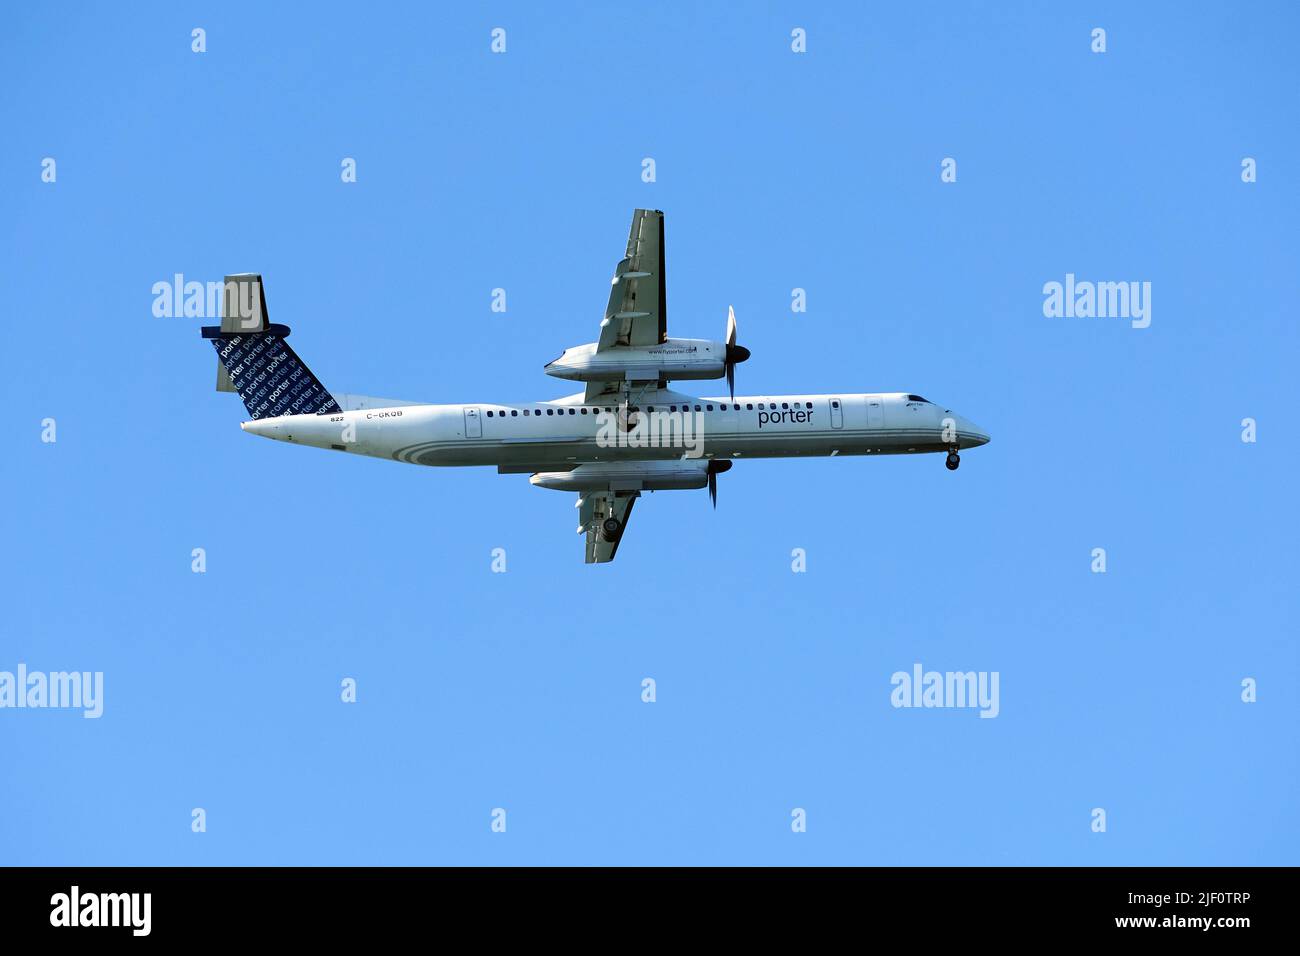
[680, 359]
[628, 476]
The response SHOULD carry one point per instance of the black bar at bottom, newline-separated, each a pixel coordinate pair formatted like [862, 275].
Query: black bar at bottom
[209, 905]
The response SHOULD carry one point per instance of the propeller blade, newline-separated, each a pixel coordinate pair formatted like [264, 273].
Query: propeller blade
[715, 468]
[735, 353]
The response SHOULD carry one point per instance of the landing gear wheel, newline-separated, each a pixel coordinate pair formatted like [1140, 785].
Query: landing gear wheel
[953, 461]
[610, 528]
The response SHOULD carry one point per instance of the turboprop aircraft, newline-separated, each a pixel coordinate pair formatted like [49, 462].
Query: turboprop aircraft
[626, 433]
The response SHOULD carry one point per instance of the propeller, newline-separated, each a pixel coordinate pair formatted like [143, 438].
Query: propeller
[716, 467]
[735, 353]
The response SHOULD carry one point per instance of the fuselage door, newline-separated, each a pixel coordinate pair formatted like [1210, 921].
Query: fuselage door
[837, 413]
[875, 414]
[473, 424]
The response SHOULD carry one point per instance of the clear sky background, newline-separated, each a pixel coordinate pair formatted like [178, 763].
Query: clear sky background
[523, 690]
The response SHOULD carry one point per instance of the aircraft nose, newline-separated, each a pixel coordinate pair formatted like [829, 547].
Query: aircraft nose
[978, 436]
[969, 434]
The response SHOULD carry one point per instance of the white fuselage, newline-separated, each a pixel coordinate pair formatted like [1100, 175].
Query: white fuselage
[664, 424]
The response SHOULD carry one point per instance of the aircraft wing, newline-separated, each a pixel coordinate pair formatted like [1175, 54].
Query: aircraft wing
[596, 507]
[637, 313]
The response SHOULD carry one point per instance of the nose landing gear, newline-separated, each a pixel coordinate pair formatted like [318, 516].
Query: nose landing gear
[953, 461]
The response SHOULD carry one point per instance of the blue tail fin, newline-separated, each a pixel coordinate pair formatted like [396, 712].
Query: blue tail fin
[254, 360]
[267, 373]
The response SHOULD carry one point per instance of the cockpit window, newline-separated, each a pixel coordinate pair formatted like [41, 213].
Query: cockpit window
[918, 398]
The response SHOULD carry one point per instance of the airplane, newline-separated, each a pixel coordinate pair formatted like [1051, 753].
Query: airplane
[626, 433]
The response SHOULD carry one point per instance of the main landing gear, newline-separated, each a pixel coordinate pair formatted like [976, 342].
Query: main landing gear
[953, 460]
[611, 527]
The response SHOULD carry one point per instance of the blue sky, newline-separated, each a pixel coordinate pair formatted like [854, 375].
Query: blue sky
[522, 690]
